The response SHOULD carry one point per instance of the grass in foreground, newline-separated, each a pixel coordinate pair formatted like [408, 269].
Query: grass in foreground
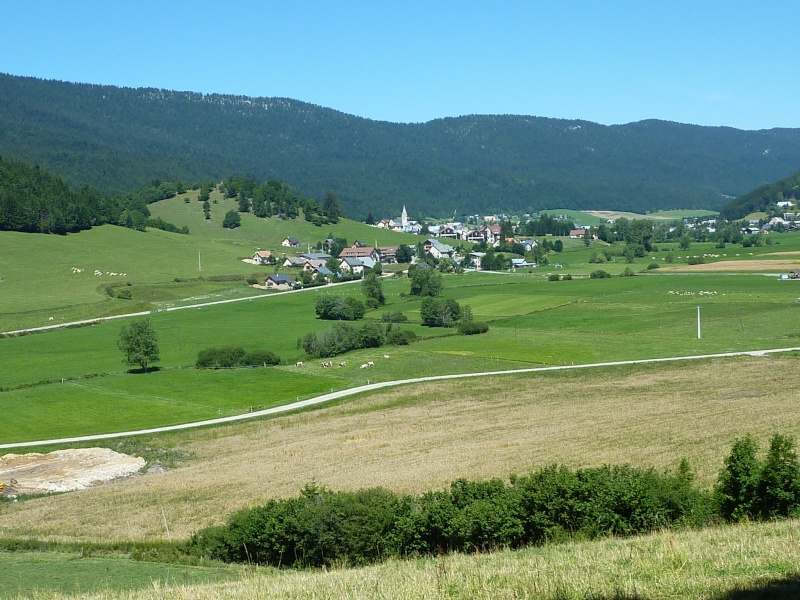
[739, 562]
[41, 575]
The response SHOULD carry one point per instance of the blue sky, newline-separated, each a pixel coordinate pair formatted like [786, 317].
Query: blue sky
[707, 63]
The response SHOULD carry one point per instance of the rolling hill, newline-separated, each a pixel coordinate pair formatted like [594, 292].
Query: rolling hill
[117, 139]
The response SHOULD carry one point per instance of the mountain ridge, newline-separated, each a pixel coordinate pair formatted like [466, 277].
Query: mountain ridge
[117, 139]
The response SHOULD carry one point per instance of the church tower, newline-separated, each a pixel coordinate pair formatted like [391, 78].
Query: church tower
[404, 217]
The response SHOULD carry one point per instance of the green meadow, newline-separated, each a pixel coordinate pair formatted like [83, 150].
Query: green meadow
[72, 381]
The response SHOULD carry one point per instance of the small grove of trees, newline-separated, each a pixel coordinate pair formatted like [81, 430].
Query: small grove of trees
[235, 356]
[439, 312]
[336, 308]
[372, 288]
[749, 488]
[139, 343]
[425, 281]
[341, 338]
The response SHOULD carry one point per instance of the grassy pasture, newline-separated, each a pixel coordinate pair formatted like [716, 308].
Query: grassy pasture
[533, 322]
[68, 574]
[37, 281]
[265, 233]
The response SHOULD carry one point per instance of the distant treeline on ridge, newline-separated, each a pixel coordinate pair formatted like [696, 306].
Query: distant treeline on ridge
[119, 139]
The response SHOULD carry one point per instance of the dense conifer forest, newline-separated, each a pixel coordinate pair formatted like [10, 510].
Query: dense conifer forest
[119, 139]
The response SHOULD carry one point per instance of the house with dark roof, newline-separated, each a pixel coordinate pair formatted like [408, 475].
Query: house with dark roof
[290, 242]
[279, 281]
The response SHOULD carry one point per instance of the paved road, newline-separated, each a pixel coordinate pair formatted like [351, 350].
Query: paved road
[377, 386]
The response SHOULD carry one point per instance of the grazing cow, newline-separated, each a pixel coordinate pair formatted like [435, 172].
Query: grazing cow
[364, 366]
[370, 364]
[342, 364]
[385, 356]
[299, 363]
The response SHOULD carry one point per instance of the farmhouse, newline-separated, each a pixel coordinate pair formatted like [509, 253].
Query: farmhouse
[438, 250]
[360, 253]
[290, 242]
[520, 263]
[388, 254]
[279, 281]
[294, 261]
[261, 257]
[353, 265]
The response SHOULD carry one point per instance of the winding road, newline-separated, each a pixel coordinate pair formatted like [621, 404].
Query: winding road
[377, 386]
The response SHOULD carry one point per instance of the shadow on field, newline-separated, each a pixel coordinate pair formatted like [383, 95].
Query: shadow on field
[772, 589]
[141, 371]
[782, 589]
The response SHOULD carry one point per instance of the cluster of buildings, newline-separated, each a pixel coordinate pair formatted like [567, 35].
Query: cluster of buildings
[352, 261]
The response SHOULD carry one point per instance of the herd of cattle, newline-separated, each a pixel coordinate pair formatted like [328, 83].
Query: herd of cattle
[326, 364]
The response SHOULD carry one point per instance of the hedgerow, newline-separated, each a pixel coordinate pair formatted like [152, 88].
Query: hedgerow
[323, 527]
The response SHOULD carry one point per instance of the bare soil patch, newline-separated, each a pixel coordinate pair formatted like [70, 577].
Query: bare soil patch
[65, 470]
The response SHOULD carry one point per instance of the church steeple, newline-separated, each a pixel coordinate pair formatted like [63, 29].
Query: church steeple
[404, 217]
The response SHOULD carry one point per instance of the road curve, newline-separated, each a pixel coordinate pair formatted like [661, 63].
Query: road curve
[377, 386]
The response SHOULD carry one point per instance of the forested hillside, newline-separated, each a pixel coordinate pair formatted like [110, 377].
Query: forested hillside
[35, 201]
[117, 139]
[762, 198]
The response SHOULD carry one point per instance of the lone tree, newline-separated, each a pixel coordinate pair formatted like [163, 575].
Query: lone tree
[139, 343]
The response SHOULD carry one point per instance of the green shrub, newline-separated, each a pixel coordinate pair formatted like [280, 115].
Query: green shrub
[566, 277]
[695, 260]
[652, 266]
[124, 294]
[599, 274]
[258, 358]
[393, 317]
[553, 277]
[400, 337]
[473, 328]
[234, 356]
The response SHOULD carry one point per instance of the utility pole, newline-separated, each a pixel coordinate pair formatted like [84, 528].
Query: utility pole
[698, 324]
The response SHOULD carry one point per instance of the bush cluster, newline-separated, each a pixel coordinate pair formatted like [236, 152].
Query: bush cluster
[473, 328]
[334, 308]
[393, 317]
[322, 527]
[400, 337]
[341, 338]
[234, 356]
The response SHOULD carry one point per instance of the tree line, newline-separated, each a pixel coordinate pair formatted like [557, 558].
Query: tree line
[472, 164]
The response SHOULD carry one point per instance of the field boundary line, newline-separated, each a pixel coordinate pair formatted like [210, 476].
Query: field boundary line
[378, 386]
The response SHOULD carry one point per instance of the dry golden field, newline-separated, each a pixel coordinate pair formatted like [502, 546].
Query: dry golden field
[421, 437]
